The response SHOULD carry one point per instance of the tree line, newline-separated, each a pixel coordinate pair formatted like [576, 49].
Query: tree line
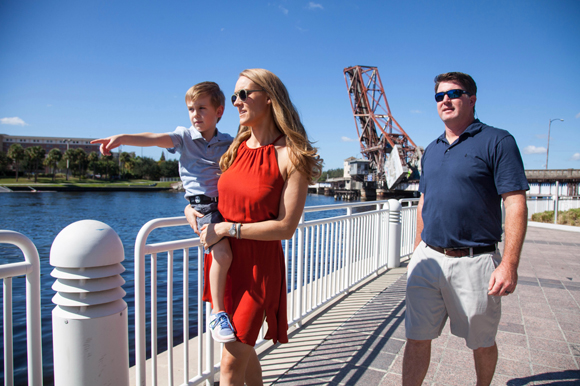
[77, 163]
[331, 173]
[80, 164]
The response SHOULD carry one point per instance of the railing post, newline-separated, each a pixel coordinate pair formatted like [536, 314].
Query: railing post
[30, 268]
[379, 240]
[89, 322]
[300, 267]
[394, 254]
[556, 202]
[348, 254]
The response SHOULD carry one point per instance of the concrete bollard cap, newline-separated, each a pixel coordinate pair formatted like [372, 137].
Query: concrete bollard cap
[86, 243]
[395, 205]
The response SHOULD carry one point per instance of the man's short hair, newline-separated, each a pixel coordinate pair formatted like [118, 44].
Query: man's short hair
[464, 80]
[203, 89]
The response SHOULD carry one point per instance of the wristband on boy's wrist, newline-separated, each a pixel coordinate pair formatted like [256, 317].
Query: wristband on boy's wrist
[239, 231]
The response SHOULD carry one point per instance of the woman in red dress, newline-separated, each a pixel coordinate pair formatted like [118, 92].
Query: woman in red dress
[262, 192]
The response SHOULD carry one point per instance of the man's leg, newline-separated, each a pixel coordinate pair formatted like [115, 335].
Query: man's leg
[485, 361]
[416, 361]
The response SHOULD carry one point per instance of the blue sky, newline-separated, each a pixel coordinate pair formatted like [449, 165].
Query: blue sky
[93, 69]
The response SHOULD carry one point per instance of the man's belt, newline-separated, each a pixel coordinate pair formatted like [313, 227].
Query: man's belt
[202, 199]
[462, 252]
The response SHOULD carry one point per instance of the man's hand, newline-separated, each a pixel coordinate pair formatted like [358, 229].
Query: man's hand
[191, 215]
[504, 278]
[503, 281]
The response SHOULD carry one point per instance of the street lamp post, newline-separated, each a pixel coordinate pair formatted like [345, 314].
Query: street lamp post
[548, 148]
[67, 160]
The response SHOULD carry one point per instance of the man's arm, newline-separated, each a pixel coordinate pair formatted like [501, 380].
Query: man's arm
[143, 140]
[419, 222]
[505, 277]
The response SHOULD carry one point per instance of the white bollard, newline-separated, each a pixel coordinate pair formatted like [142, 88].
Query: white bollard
[89, 322]
[394, 251]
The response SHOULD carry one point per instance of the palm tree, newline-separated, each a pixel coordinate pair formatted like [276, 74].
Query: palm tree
[81, 160]
[16, 153]
[53, 158]
[70, 156]
[107, 161]
[4, 161]
[93, 158]
[35, 155]
[130, 164]
[124, 157]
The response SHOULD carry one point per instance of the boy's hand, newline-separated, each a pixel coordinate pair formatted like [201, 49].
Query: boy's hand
[208, 236]
[109, 143]
[191, 215]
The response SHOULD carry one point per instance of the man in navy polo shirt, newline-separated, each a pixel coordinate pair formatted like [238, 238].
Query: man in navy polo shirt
[456, 271]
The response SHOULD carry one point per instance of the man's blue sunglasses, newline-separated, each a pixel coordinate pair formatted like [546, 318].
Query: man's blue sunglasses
[452, 94]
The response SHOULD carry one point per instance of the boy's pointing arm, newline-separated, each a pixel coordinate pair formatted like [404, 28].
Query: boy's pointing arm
[142, 140]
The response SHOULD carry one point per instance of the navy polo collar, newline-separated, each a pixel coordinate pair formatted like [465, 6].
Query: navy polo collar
[475, 127]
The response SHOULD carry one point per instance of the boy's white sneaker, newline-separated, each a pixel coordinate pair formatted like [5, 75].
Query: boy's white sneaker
[221, 329]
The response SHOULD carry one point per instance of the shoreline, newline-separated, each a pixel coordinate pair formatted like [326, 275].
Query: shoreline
[35, 188]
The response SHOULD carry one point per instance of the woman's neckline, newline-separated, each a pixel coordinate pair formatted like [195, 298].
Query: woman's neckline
[263, 146]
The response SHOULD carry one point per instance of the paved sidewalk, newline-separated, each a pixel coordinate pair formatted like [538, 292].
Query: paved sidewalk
[360, 340]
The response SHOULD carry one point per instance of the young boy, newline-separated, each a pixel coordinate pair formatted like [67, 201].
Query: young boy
[200, 147]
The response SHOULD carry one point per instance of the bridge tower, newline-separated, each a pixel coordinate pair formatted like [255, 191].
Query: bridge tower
[378, 131]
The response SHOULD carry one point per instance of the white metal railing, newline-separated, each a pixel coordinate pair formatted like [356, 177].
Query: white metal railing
[141, 250]
[31, 268]
[408, 225]
[324, 259]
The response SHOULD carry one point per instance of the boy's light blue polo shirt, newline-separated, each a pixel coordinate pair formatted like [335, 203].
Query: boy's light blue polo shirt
[199, 159]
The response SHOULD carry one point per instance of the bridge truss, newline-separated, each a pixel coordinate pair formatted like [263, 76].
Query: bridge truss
[378, 131]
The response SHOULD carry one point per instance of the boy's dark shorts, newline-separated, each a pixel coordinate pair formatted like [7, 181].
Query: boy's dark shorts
[210, 212]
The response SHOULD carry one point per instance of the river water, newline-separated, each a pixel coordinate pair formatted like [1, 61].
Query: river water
[41, 216]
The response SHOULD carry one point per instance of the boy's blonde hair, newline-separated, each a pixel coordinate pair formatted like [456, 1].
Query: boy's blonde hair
[211, 89]
[302, 154]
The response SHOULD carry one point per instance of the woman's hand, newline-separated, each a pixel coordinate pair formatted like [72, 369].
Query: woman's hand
[191, 215]
[209, 235]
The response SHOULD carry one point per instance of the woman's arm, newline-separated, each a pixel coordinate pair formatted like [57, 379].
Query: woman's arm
[291, 207]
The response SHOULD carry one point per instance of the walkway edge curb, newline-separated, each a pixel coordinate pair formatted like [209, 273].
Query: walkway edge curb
[557, 227]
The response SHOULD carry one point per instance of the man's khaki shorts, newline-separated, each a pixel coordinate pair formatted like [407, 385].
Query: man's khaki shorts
[439, 287]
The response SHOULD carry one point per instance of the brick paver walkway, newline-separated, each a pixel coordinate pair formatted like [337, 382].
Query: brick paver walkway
[538, 339]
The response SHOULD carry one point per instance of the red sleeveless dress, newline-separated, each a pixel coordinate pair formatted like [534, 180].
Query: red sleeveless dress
[250, 191]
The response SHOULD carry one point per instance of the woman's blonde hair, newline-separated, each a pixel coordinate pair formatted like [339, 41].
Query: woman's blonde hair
[302, 154]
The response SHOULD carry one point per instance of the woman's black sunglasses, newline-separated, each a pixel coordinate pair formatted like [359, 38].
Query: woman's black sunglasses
[452, 94]
[243, 94]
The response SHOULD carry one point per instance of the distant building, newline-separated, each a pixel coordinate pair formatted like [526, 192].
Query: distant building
[48, 143]
[566, 182]
[356, 171]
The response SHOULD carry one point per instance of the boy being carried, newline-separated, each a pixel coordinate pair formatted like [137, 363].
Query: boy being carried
[200, 147]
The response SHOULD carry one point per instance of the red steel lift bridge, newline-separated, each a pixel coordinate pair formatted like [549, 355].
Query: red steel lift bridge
[393, 155]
